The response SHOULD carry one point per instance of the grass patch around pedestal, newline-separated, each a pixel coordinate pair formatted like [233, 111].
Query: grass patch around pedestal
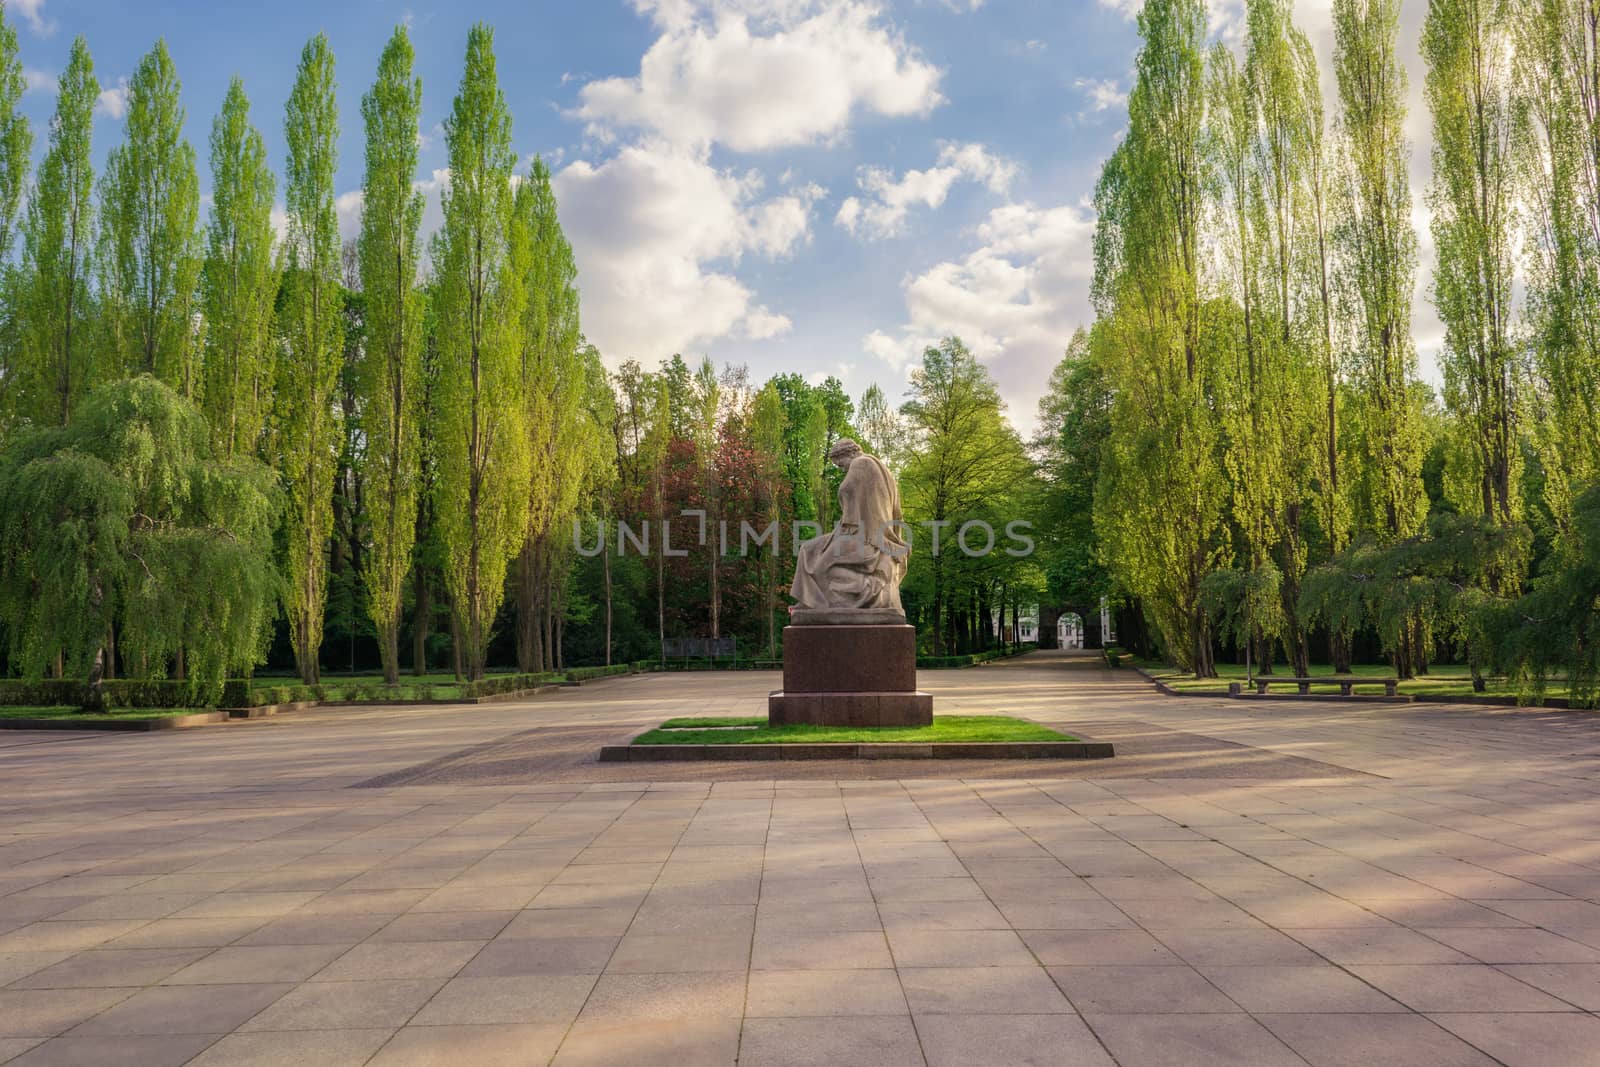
[754, 731]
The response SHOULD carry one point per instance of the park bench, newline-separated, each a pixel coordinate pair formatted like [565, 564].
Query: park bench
[1343, 681]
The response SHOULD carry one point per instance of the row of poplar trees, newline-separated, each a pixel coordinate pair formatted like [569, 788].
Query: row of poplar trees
[462, 414]
[1255, 263]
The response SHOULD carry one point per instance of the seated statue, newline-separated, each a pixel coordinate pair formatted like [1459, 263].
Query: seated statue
[853, 573]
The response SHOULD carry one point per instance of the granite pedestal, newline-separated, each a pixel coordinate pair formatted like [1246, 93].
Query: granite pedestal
[850, 675]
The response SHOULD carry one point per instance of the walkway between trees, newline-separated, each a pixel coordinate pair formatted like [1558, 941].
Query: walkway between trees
[1265, 882]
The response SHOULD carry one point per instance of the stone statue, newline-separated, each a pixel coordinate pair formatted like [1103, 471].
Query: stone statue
[852, 574]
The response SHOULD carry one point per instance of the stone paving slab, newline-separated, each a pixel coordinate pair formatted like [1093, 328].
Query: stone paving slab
[1246, 883]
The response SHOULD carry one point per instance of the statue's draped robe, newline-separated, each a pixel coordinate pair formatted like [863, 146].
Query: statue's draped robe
[861, 562]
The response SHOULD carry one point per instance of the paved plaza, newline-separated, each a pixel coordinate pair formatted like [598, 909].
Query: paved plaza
[1247, 883]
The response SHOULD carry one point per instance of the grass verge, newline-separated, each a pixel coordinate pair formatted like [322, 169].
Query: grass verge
[945, 728]
[76, 713]
[1442, 680]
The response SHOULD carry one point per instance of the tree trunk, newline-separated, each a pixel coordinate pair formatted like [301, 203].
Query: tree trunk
[1339, 652]
[421, 621]
[527, 607]
[605, 567]
[455, 640]
[548, 627]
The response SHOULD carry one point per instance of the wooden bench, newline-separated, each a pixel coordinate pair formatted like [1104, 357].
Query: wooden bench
[1344, 681]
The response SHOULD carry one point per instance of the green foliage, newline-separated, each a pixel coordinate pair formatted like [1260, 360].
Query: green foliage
[1467, 45]
[966, 464]
[1413, 591]
[1554, 628]
[150, 215]
[305, 418]
[1160, 498]
[1245, 604]
[1557, 139]
[390, 369]
[1378, 262]
[16, 136]
[55, 364]
[481, 495]
[122, 522]
[238, 281]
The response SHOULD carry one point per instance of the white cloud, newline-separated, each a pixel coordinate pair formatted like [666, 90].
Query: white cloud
[113, 102]
[1014, 300]
[754, 75]
[348, 207]
[1103, 93]
[1128, 9]
[655, 229]
[658, 228]
[38, 81]
[882, 211]
[32, 12]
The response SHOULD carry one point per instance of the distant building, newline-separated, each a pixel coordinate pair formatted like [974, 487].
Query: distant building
[1027, 625]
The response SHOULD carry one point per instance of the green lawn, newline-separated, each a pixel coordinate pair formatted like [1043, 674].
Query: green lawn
[756, 732]
[60, 712]
[1442, 680]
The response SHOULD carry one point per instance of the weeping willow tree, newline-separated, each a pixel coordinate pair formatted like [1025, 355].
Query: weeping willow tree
[1417, 591]
[1553, 630]
[124, 536]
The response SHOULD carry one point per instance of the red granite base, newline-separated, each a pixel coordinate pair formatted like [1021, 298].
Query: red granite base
[849, 659]
[843, 675]
[850, 709]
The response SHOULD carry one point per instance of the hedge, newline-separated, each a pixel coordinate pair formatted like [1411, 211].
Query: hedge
[116, 692]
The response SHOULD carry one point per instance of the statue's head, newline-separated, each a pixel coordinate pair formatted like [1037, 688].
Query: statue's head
[843, 452]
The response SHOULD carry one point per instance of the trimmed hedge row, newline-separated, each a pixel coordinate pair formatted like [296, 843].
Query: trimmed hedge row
[970, 659]
[240, 693]
[585, 674]
[117, 693]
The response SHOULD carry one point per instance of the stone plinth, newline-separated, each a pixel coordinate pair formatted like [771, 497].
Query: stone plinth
[850, 675]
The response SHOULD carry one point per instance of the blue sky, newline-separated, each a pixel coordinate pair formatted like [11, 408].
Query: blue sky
[820, 186]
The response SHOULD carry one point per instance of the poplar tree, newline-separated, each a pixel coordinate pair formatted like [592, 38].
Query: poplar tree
[553, 389]
[306, 417]
[150, 217]
[390, 371]
[1558, 90]
[481, 423]
[57, 365]
[16, 147]
[238, 281]
[1467, 46]
[16, 136]
[1159, 504]
[1378, 259]
[1321, 186]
